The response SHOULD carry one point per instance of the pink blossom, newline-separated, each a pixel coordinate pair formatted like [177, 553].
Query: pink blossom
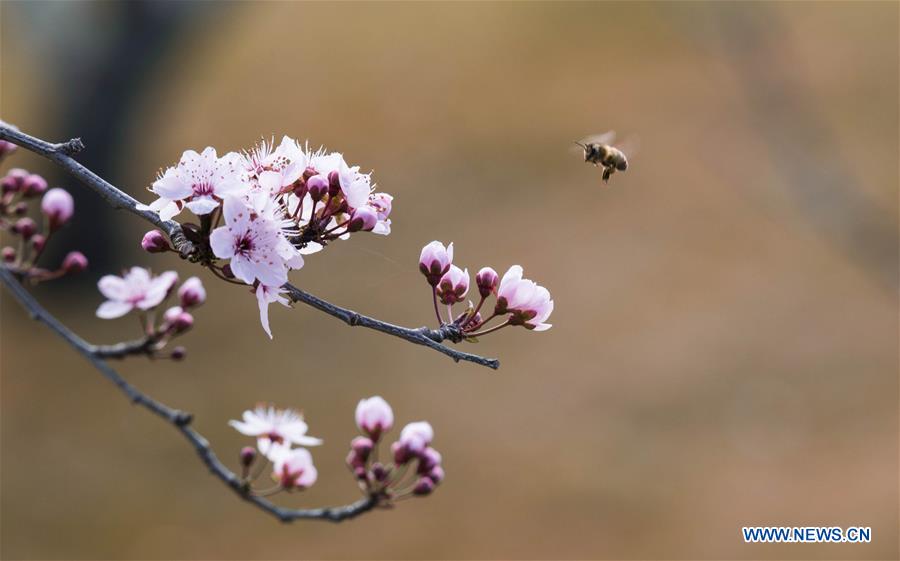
[294, 469]
[374, 416]
[381, 203]
[355, 186]
[528, 303]
[136, 289]
[362, 218]
[287, 160]
[435, 261]
[58, 206]
[274, 428]
[454, 285]
[256, 244]
[266, 295]
[199, 182]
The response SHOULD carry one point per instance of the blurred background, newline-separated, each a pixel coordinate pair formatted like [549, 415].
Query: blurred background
[724, 350]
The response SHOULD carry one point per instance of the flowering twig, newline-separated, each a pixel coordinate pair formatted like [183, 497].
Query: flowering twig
[62, 153]
[181, 420]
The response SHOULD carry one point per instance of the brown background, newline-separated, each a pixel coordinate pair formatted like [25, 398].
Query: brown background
[725, 342]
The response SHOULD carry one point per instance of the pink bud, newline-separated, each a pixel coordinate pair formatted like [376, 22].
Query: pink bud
[9, 254]
[74, 262]
[374, 416]
[155, 242]
[179, 353]
[354, 460]
[12, 181]
[38, 242]
[362, 446]
[401, 453]
[334, 183]
[248, 455]
[436, 474]
[453, 286]
[20, 209]
[429, 459]
[416, 436]
[177, 320]
[435, 260]
[58, 206]
[379, 472]
[363, 218]
[424, 486]
[487, 280]
[191, 293]
[34, 185]
[317, 186]
[25, 227]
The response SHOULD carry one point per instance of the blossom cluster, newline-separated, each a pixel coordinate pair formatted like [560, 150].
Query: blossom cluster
[519, 300]
[277, 431]
[18, 188]
[138, 290]
[414, 467]
[264, 209]
[282, 442]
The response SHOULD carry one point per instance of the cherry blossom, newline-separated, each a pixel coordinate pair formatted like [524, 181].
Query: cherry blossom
[274, 428]
[435, 261]
[136, 289]
[293, 469]
[199, 182]
[256, 244]
[266, 295]
[528, 303]
[374, 416]
[58, 206]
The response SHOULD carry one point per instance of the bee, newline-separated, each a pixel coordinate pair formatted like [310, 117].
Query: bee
[598, 150]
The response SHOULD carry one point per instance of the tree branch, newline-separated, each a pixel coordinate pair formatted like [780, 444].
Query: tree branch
[181, 420]
[62, 153]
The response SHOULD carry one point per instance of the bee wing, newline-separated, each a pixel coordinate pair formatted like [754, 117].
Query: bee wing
[630, 146]
[606, 138]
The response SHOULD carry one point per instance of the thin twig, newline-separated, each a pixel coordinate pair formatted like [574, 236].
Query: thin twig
[62, 153]
[179, 419]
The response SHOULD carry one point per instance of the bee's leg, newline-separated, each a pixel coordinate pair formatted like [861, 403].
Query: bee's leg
[606, 173]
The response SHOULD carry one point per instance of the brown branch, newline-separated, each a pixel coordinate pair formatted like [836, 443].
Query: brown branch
[181, 420]
[62, 153]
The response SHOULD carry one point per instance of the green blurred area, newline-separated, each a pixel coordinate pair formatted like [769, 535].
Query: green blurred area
[724, 350]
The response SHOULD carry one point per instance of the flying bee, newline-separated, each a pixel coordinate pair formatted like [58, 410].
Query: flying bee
[598, 150]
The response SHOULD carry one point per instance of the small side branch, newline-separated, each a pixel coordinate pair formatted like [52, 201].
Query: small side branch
[423, 336]
[181, 420]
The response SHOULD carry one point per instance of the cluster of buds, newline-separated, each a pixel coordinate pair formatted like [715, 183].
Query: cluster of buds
[18, 188]
[263, 210]
[139, 291]
[519, 301]
[414, 468]
[277, 432]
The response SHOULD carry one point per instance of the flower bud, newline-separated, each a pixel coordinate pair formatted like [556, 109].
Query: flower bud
[424, 486]
[34, 185]
[436, 474]
[58, 206]
[362, 447]
[334, 183]
[25, 227]
[38, 242]
[178, 353]
[363, 218]
[191, 293]
[12, 181]
[155, 242]
[177, 320]
[379, 472]
[435, 261]
[429, 460]
[74, 262]
[401, 453]
[9, 254]
[317, 187]
[374, 417]
[416, 436]
[453, 286]
[487, 280]
[20, 209]
[248, 455]
[355, 461]
[360, 473]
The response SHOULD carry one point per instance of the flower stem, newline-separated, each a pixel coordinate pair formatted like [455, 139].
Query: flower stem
[486, 331]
